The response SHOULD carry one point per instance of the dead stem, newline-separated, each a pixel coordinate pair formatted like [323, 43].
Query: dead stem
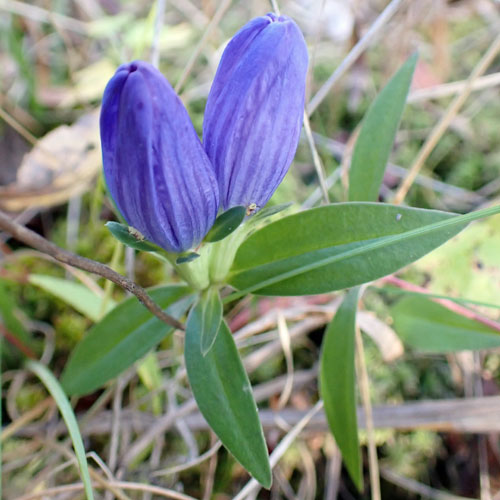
[38, 242]
[364, 389]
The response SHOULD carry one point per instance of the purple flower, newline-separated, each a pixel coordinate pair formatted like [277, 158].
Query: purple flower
[163, 181]
[155, 167]
[254, 110]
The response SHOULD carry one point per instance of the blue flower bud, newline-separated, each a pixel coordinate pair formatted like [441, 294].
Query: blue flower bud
[254, 110]
[155, 167]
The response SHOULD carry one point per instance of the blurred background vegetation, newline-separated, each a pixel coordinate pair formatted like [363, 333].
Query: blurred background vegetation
[56, 57]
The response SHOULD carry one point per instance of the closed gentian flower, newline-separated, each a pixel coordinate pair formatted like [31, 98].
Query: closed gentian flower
[156, 169]
[254, 110]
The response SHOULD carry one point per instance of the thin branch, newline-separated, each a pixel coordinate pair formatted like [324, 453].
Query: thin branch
[38, 242]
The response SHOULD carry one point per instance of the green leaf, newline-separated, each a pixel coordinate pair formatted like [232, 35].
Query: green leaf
[74, 294]
[209, 311]
[430, 327]
[226, 223]
[459, 300]
[12, 323]
[186, 257]
[149, 372]
[122, 337]
[376, 137]
[337, 384]
[62, 402]
[130, 237]
[222, 390]
[339, 246]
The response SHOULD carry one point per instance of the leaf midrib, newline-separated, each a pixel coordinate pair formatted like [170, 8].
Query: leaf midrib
[378, 244]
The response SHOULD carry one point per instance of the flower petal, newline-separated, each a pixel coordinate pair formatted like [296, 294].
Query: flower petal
[155, 167]
[254, 110]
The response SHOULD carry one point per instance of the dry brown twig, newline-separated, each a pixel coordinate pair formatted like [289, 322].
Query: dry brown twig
[32, 239]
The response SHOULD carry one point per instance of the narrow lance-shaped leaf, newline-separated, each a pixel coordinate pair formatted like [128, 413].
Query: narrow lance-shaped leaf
[337, 384]
[339, 246]
[68, 415]
[122, 337]
[226, 223]
[430, 327]
[224, 395]
[130, 237]
[376, 137]
[74, 294]
[13, 325]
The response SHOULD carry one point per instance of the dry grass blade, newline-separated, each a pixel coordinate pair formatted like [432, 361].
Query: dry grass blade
[470, 415]
[38, 14]
[192, 463]
[155, 46]
[284, 336]
[223, 6]
[443, 124]
[26, 418]
[364, 389]
[275, 7]
[17, 126]
[450, 89]
[320, 171]
[353, 55]
[282, 447]
[418, 488]
[77, 487]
